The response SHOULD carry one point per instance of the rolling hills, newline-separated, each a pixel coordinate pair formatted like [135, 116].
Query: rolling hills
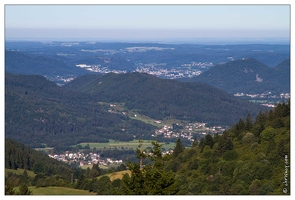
[248, 76]
[38, 64]
[162, 98]
[38, 112]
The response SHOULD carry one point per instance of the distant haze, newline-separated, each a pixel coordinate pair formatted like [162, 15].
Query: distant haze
[148, 22]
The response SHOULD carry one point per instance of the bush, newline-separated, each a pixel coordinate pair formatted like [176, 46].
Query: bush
[268, 133]
[249, 138]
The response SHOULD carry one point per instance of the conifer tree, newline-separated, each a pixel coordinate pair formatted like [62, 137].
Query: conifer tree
[179, 148]
[248, 124]
[195, 142]
[24, 190]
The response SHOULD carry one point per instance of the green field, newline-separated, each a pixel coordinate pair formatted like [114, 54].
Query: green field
[57, 191]
[46, 149]
[112, 144]
[134, 114]
[112, 165]
[20, 172]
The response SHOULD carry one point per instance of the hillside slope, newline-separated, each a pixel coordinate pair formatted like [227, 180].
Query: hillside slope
[38, 113]
[162, 98]
[282, 74]
[248, 76]
[28, 63]
[251, 158]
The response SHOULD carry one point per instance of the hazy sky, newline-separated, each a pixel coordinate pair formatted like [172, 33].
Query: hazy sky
[146, 21]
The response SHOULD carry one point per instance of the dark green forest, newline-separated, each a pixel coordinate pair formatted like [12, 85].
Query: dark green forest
[41, 114]
[162, 98]
[251, 158]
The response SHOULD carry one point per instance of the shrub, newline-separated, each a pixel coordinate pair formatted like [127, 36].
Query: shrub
[268, 133]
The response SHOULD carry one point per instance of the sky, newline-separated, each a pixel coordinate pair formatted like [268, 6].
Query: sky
[146, 22]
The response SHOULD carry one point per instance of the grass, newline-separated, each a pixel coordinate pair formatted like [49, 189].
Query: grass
[58, 191]
[46, 149]
[126, 145]
[114, 165]
[146, 120]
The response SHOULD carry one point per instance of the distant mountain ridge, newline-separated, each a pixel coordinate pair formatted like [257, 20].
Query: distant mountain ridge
[162, 98]
[60, 61]
[248, 76]
[34, 64]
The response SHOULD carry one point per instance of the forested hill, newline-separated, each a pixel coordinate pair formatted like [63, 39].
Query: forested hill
[251, 158]
[40, 113]
[20, 156]
[33, 63]
[282, 74]
[248, 76]
[162, 98]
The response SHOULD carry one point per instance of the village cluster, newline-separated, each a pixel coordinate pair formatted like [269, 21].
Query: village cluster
[266, 95]
[169, 73]
[84, 159]
[157, 69]
[188, 131]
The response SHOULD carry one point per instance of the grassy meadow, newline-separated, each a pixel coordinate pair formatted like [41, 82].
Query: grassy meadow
[112, 144]
[57, 191]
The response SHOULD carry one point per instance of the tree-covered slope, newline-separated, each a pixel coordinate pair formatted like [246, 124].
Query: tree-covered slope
[282, 75]
[20, 156]
[37, 112]
[248, 76]
[162, 98]
[253, 157]
[33, 63]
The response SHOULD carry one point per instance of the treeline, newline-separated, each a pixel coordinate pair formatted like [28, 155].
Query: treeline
[47, 171]
[18, 155]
